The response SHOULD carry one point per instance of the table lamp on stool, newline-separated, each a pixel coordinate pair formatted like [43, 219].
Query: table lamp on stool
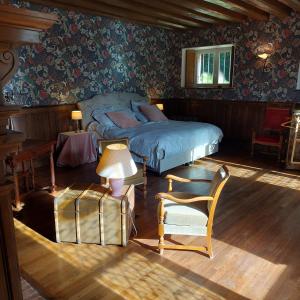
[116, 163]
[76, 116]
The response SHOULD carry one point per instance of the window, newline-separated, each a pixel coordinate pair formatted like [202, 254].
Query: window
[207, 66]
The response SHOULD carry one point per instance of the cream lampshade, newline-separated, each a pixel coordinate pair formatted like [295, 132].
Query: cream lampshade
[116, 163]
[76, 116]
[160, 106]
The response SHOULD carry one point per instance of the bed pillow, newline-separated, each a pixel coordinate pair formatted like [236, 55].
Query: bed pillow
[135, 108]
[152, 113]
[123, 119]
[100, 116]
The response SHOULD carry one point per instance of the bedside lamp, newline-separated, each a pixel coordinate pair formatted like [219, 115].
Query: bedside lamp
[76, 116]
[160, 106]
[116, 164]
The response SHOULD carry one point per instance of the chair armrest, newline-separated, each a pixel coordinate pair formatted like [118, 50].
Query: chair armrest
[162, 196]
[181, 179]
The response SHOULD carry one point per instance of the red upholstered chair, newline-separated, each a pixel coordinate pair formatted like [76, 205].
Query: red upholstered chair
[272, 131]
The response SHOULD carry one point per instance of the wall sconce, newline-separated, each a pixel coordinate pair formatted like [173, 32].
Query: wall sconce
[263, 55]
[264, 52]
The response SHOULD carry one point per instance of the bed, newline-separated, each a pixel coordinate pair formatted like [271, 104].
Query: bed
[168, 144]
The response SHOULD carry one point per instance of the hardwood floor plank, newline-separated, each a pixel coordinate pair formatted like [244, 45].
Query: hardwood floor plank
[256, 241]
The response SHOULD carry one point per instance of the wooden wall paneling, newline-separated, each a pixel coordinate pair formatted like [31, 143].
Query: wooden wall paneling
[224, 110]
[63, 121]
[43, 123]
[237, 119]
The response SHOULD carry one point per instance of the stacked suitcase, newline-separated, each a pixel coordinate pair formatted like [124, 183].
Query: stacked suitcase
[87, 213]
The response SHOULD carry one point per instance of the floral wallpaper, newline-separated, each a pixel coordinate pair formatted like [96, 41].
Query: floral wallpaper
[86, 55]
[253, 79]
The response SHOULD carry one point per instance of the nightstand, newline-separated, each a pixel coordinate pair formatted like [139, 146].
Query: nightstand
[75, 148]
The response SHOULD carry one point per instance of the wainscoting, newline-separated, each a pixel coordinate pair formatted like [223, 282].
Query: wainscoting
[43, 123]
[237, 119]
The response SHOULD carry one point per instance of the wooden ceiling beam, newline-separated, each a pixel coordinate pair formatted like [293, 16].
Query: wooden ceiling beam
[272, 6]
[160, 6]
[211, 9]
[243, 8]
[144, 8]
[100, 12]
[122, 12]
[195, 14]
[293, 4]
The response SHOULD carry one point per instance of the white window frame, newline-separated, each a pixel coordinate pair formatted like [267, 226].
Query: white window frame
[209, 49]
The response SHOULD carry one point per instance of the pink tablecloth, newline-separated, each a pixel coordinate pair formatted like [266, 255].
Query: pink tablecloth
[75, 148]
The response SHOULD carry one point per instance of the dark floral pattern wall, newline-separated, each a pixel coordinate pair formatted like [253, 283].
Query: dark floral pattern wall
[87, 55]
[253, 79]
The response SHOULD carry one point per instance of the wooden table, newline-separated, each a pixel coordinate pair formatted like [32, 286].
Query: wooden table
[29, 154]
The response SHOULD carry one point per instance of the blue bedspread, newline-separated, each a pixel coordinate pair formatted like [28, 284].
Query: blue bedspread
[162, 139]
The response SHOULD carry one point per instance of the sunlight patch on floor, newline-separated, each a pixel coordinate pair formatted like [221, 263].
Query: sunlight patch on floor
[280, 179]
[138, 278]
[235, 169]
[243, 270]
[132, 272]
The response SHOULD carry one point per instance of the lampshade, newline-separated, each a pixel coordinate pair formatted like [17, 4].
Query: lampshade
[263, 55]
[76, 115]
[160, 106]
[116, 162]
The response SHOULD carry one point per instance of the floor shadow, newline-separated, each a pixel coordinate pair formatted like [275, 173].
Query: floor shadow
[38, 214]
[62, 271]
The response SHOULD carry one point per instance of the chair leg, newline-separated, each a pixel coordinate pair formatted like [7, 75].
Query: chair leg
[161, 233]
[279, 154]
[145, 189]
[252, 149]
[161, 243]
[209, 248]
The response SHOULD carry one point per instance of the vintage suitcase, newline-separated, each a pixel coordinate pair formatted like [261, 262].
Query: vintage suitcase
[89, 214]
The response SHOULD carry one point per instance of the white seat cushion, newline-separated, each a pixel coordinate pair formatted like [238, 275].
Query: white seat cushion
[195, 214]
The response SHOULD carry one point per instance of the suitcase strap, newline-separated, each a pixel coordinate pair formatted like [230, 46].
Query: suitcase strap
[102, 240]
[133, 224]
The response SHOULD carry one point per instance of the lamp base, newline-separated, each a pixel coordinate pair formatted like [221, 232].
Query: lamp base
[116, 186]
[77, 127]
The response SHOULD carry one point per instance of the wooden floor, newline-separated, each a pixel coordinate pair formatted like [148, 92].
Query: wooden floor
[256, 242]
